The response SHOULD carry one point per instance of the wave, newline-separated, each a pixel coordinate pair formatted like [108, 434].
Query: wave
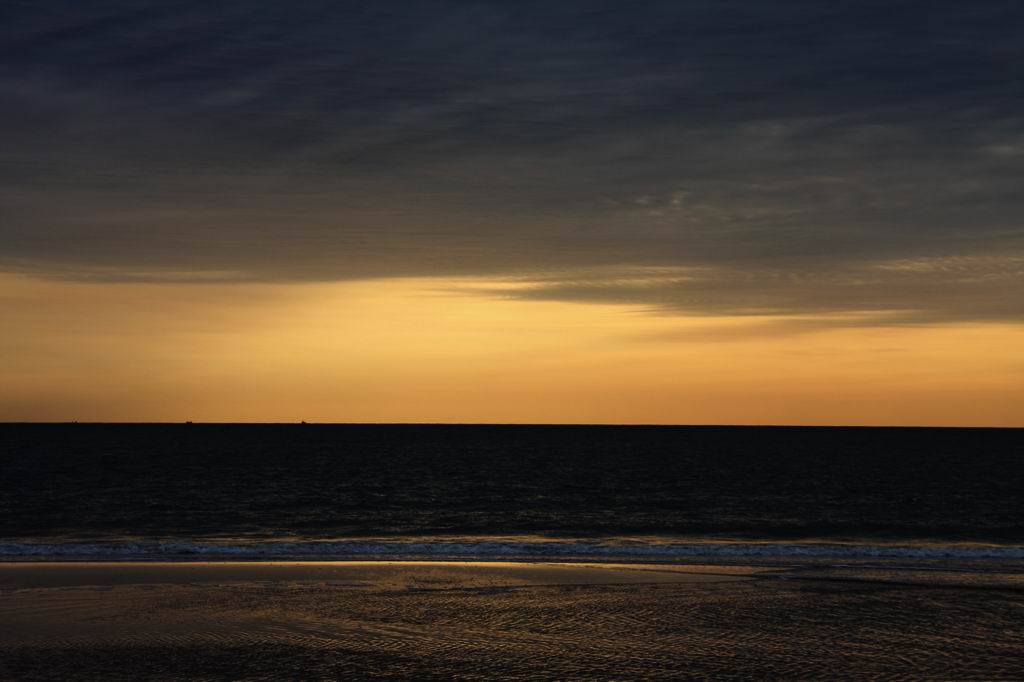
[493, 549]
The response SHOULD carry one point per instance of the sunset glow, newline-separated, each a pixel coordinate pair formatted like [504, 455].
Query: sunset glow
[432, 350]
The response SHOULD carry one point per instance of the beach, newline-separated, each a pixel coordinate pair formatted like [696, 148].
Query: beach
[512, 620]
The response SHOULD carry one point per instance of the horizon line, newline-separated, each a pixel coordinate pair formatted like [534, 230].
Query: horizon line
[493, 424]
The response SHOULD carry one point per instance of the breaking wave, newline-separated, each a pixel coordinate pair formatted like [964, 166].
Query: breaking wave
[492, 549]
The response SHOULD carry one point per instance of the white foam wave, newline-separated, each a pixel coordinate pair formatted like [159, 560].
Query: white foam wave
[490, 549]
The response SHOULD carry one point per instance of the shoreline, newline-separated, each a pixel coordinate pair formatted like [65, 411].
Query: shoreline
[497, 548]
[367, 573]
[22, 575]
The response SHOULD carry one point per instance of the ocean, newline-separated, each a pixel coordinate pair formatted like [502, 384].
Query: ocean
[479, 491]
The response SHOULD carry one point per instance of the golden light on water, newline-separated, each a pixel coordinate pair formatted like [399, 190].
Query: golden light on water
[432, 350]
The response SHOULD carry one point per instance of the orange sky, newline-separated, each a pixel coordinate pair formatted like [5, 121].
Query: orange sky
[450, 350]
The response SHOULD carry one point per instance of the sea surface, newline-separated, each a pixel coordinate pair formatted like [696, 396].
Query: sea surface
[309, 490]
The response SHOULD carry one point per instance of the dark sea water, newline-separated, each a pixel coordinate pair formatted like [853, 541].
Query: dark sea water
[494, 490]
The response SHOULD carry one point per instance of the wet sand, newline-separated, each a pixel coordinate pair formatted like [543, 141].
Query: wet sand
[465, 620]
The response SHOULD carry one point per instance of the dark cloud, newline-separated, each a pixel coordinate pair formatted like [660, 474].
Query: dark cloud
[792, 154]
[889, 293]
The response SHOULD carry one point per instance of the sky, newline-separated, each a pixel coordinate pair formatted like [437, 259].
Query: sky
[728, 211]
